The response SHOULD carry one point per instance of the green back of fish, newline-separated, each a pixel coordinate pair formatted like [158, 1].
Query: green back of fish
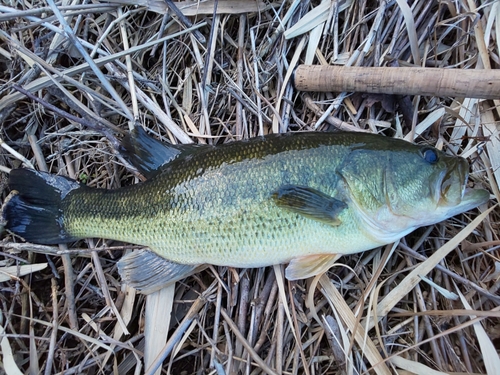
[216, 205]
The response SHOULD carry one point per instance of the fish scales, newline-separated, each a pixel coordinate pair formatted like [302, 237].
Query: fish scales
[216, 207]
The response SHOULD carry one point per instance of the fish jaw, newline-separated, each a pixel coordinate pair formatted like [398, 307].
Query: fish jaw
[471, 198]
[452, 196]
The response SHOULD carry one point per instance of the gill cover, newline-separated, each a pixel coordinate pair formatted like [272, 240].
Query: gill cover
[397, 190]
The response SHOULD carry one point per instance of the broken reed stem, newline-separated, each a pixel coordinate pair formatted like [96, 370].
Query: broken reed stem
[248, 347]
[69, 278]
[53, 336]
[175, 337]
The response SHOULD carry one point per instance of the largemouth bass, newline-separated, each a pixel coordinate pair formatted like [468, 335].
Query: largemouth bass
[295, 198]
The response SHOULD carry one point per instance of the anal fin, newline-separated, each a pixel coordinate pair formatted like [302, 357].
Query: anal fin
[309, 265]
[148, 272]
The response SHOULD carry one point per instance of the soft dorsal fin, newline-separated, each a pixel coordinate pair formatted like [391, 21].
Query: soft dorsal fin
[148, 154]
[149, 272]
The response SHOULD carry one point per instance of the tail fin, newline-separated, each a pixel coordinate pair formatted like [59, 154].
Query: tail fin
[34, 210]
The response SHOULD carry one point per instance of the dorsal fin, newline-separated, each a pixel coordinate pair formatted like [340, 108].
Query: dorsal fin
[148, 154]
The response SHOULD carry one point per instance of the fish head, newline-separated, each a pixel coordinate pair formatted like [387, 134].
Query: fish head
[403, 186]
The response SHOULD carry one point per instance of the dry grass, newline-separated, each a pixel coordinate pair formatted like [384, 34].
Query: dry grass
[427, 305]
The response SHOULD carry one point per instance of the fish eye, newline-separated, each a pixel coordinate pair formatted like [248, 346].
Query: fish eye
[430, 155]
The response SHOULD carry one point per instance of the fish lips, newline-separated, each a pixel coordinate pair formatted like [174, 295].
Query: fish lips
[450, 189]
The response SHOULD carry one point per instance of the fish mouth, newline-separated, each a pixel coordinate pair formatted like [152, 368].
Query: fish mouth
[453, 184]
[452, 191]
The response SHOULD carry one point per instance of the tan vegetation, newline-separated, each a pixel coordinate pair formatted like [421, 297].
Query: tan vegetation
[427, 305]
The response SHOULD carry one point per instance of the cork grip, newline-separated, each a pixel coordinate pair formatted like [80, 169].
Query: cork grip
[463, 83]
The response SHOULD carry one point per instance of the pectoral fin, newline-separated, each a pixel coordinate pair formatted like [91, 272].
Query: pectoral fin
[309, 265]
[148, 272]
[310, 202]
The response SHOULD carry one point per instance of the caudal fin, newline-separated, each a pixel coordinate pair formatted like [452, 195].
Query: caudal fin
[34, 210]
